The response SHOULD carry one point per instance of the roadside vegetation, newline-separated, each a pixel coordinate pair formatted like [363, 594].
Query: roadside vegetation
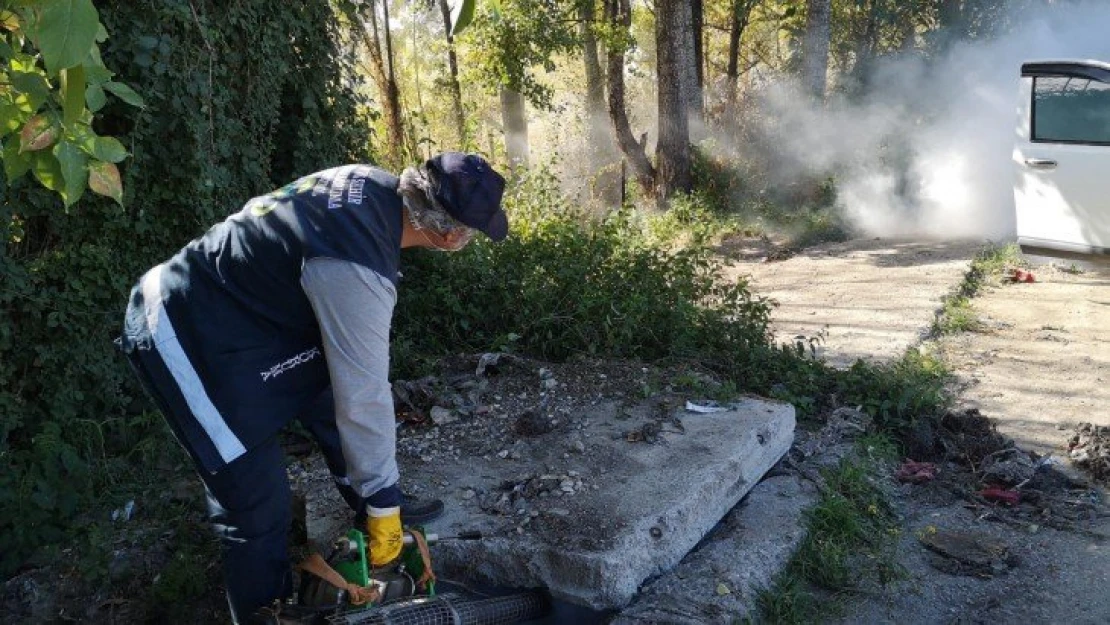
[851, 534]
[229, 109]
[956, 313]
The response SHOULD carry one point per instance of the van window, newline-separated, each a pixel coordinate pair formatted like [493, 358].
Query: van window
[1071, 109]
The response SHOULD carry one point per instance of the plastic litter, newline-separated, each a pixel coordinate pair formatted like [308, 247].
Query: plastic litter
[708, 407]
[1001, 495]
[1021, 275]
[916, 472]
[124, 513]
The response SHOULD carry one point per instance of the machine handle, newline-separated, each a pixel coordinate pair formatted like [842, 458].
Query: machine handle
[1041, 163]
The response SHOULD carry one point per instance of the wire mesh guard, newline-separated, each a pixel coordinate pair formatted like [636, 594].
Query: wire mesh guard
[452, 609]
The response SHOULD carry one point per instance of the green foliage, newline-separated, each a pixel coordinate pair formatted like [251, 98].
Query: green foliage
[509, 38]
[54, 82]
[564, 285]
[957, 314]
[896, 395]
[240, 98]
[850, 536]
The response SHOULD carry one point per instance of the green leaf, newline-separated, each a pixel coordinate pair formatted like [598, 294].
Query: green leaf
[95, 98]
[73, 94]
[75, 174]
[66, 31]
[16, 163]
[38, 133]
[48, 171]
[104, 179]
[125, 93]
[11, 118]
[31, 83]
[9, 20]
[462, 13]
[97, 74]
[108, 149]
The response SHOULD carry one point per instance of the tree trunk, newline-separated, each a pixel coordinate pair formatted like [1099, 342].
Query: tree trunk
[382, 74]
[515, 125]
[619, 14]
[865, 45]
[815, 50]
[675, 50]
[396, 127]
[601, 144]
[741, 11]
[453, 80]
[909, 31]
[953, 26]
[697, 28]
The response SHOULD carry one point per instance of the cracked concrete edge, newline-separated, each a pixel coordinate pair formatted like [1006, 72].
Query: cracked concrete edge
[611, 578]
[721, 580]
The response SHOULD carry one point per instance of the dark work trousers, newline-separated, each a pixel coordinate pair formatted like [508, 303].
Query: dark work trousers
[249, 499]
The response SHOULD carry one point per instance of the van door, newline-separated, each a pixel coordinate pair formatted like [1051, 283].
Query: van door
[1062, 190]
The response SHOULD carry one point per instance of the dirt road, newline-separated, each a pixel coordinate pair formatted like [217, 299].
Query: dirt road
[1041, 364]
[1038, 366]
[872, 297]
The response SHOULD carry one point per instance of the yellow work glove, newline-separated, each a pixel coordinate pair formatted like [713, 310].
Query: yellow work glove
[383, 527]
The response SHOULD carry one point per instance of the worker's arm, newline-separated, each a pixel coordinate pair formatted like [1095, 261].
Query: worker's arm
[354, 307]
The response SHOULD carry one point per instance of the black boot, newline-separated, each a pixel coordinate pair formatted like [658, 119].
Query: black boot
[420, 511]
[413, 512]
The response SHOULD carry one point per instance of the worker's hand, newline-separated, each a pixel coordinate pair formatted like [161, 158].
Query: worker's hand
[383, 526]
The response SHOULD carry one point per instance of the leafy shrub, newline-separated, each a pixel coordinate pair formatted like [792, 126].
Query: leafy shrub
[565, 284]
[233, 108]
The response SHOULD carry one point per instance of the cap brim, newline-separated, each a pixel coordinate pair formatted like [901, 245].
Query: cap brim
[498, 227]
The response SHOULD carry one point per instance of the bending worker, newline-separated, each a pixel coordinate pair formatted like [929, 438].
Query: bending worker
[282, 312]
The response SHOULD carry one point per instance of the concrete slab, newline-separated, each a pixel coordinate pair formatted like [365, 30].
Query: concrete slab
[594, 524]
[721, 580]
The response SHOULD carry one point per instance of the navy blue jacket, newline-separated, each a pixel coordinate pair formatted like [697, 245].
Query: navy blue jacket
[237, 307]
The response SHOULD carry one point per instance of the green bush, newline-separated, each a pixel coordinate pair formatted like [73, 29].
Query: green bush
[565, 284]
[240, 97]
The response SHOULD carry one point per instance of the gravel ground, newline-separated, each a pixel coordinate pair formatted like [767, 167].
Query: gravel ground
[1038, 370]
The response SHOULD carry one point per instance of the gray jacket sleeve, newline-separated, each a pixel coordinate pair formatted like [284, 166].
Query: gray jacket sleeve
[354, 307]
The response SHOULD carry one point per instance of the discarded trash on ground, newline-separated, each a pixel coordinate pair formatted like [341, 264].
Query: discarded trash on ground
[1021, 275]
[1001, 495]
[1089, 449]
[916, 472]
[966, 553]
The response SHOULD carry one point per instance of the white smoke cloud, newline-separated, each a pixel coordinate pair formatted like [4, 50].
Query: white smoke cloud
[928, 151]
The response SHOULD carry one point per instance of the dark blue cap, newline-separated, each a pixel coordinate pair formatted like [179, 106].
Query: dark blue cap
[471, 191]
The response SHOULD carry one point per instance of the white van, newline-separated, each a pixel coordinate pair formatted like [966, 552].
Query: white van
[1062, 187]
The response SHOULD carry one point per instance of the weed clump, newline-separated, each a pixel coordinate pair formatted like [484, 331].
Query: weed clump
[850, 542]
[957, 315]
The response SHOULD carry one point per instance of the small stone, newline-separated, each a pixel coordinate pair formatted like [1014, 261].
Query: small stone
[504, 453]
[468, 494]
[566, 456]
[443, 416]
[722, 589]
[550, 383]
[520, 530]
[521, 511]
[567, 485]
[578, 446]
[572, 473]
[559, 511]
